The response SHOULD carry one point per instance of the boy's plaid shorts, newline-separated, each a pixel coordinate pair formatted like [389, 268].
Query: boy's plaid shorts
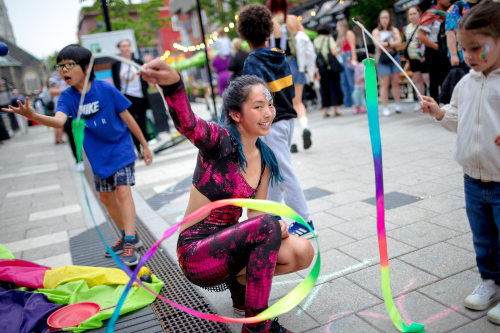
[124, 176]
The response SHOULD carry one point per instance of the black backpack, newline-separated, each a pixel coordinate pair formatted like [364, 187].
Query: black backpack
[442, 43]
[320, 60]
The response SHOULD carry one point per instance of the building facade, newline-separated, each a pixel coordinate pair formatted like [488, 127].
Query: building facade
[5, 26]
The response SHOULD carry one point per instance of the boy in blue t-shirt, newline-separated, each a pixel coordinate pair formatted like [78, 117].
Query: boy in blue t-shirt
[107, 142]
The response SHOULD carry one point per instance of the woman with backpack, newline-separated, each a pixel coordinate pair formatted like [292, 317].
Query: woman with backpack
[331, 93]
[285, 28]
[387, 35]
[432, 25]
[414, 51]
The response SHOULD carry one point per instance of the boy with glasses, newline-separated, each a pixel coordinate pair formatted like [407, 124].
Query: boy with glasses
[107, 142]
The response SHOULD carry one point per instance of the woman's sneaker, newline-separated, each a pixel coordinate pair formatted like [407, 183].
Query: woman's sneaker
[297, 229]
[494, 314]
[239, 298]
[118, 246]
[130, 255]
[483, 296]
[270, 327]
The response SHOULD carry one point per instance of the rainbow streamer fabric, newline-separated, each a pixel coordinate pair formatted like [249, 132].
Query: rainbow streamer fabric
[287, 303]
[372, 105]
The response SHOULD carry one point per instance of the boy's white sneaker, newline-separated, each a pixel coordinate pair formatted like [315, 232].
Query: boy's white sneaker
[386, 112]
[483, 296]
[80, 166]
[494, 314]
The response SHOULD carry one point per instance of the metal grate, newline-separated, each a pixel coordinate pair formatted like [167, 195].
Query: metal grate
[177, 288]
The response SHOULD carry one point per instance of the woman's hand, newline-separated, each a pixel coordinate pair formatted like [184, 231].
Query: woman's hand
[284, 229]
[159, 72]
[430, 106]
[24, 110]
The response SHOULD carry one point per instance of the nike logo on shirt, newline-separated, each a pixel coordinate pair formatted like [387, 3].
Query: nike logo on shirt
[90, 108]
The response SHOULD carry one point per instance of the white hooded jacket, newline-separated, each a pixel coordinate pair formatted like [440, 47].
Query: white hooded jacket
[474, 114]
[306, 55]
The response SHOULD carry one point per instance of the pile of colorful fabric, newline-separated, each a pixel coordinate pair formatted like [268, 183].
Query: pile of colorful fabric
[30, 293]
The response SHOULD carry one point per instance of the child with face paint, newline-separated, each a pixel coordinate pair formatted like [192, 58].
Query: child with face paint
[474, 114]
[216, 252]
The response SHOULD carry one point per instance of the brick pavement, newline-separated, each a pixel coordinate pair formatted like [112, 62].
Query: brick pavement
[430, 246]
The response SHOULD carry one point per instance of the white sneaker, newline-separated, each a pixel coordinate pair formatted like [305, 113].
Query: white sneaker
[398, 108]
[417, 108]
[386, 112]
[80, 166]
[483, 296]
[494, 314]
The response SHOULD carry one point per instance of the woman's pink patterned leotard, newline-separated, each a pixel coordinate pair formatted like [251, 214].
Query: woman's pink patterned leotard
[214, 250]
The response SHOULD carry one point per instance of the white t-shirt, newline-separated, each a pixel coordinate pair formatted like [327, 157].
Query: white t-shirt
[433, 30]
[130, 81]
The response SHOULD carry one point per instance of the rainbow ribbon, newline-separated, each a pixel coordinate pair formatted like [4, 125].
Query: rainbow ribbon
[373, 123]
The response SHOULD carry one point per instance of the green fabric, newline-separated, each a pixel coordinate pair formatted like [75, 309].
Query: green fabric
[5, 254]
[105, 296]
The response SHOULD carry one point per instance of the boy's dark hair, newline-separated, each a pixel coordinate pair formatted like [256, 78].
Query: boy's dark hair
[255, 24]
[278, 6]
[483, 18]
[78, 54]
[324, 29]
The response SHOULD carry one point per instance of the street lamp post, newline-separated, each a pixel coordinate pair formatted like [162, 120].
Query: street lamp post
[106, 15]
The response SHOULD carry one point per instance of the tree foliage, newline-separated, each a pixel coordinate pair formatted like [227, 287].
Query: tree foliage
[144, 26]
[368, 10]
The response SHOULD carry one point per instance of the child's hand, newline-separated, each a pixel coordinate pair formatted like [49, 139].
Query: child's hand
[148, 156]
[430, 106]
[284, 229]
[497, 140]
[24, 110]
[159, 72]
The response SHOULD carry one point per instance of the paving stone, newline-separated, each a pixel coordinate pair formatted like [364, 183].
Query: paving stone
[346, 197]
[346, 324]
[456, 180]
[341, 185]
[453, 290]
[329, 239]
[441, 259]
[415, 308]
[46, 251]
[342, 296]
[319, 205]
[442, 203]
[6, 222]
[283, 284]
[408, 214]
[334, 264]
[361, 228]
[456, 220]
[323, 220]
[352, 211]
[7, 237]
[298, 322]
[416, 178]
[404, 278]
[367, 249]
[394, 200]
[422, 234]
[315, 193]
[53, 228]
[482, 325]
[427, 189]
[464, 241]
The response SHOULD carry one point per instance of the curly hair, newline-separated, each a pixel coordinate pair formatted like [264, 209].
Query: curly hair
[255, 24]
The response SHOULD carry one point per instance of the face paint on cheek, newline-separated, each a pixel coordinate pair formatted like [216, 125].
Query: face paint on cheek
[486, 49]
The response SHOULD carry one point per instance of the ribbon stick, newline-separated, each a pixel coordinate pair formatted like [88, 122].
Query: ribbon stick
[288, 302]
[372, 104]
[388, 54]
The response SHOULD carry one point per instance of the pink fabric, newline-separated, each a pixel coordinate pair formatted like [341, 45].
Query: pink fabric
[22, 273]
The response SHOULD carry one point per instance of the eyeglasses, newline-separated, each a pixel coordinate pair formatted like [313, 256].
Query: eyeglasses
[69, 65]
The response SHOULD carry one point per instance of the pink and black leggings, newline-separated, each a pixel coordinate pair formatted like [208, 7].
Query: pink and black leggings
[212, 254]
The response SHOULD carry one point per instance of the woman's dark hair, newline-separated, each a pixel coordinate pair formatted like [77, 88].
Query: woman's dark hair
[361, 56]
[324, 29]
[233, 98]
[389, 26]
[483, 18]
[78, 54]
[255, 24]
[276, 6]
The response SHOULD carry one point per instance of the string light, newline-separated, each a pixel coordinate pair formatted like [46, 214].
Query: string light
[313, 13]
[299, 18]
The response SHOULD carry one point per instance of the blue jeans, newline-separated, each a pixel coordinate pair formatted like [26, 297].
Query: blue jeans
[347, 79]
[482, 201]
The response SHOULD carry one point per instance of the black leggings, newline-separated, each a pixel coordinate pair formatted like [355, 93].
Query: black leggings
[137, 110]
[439, 66]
